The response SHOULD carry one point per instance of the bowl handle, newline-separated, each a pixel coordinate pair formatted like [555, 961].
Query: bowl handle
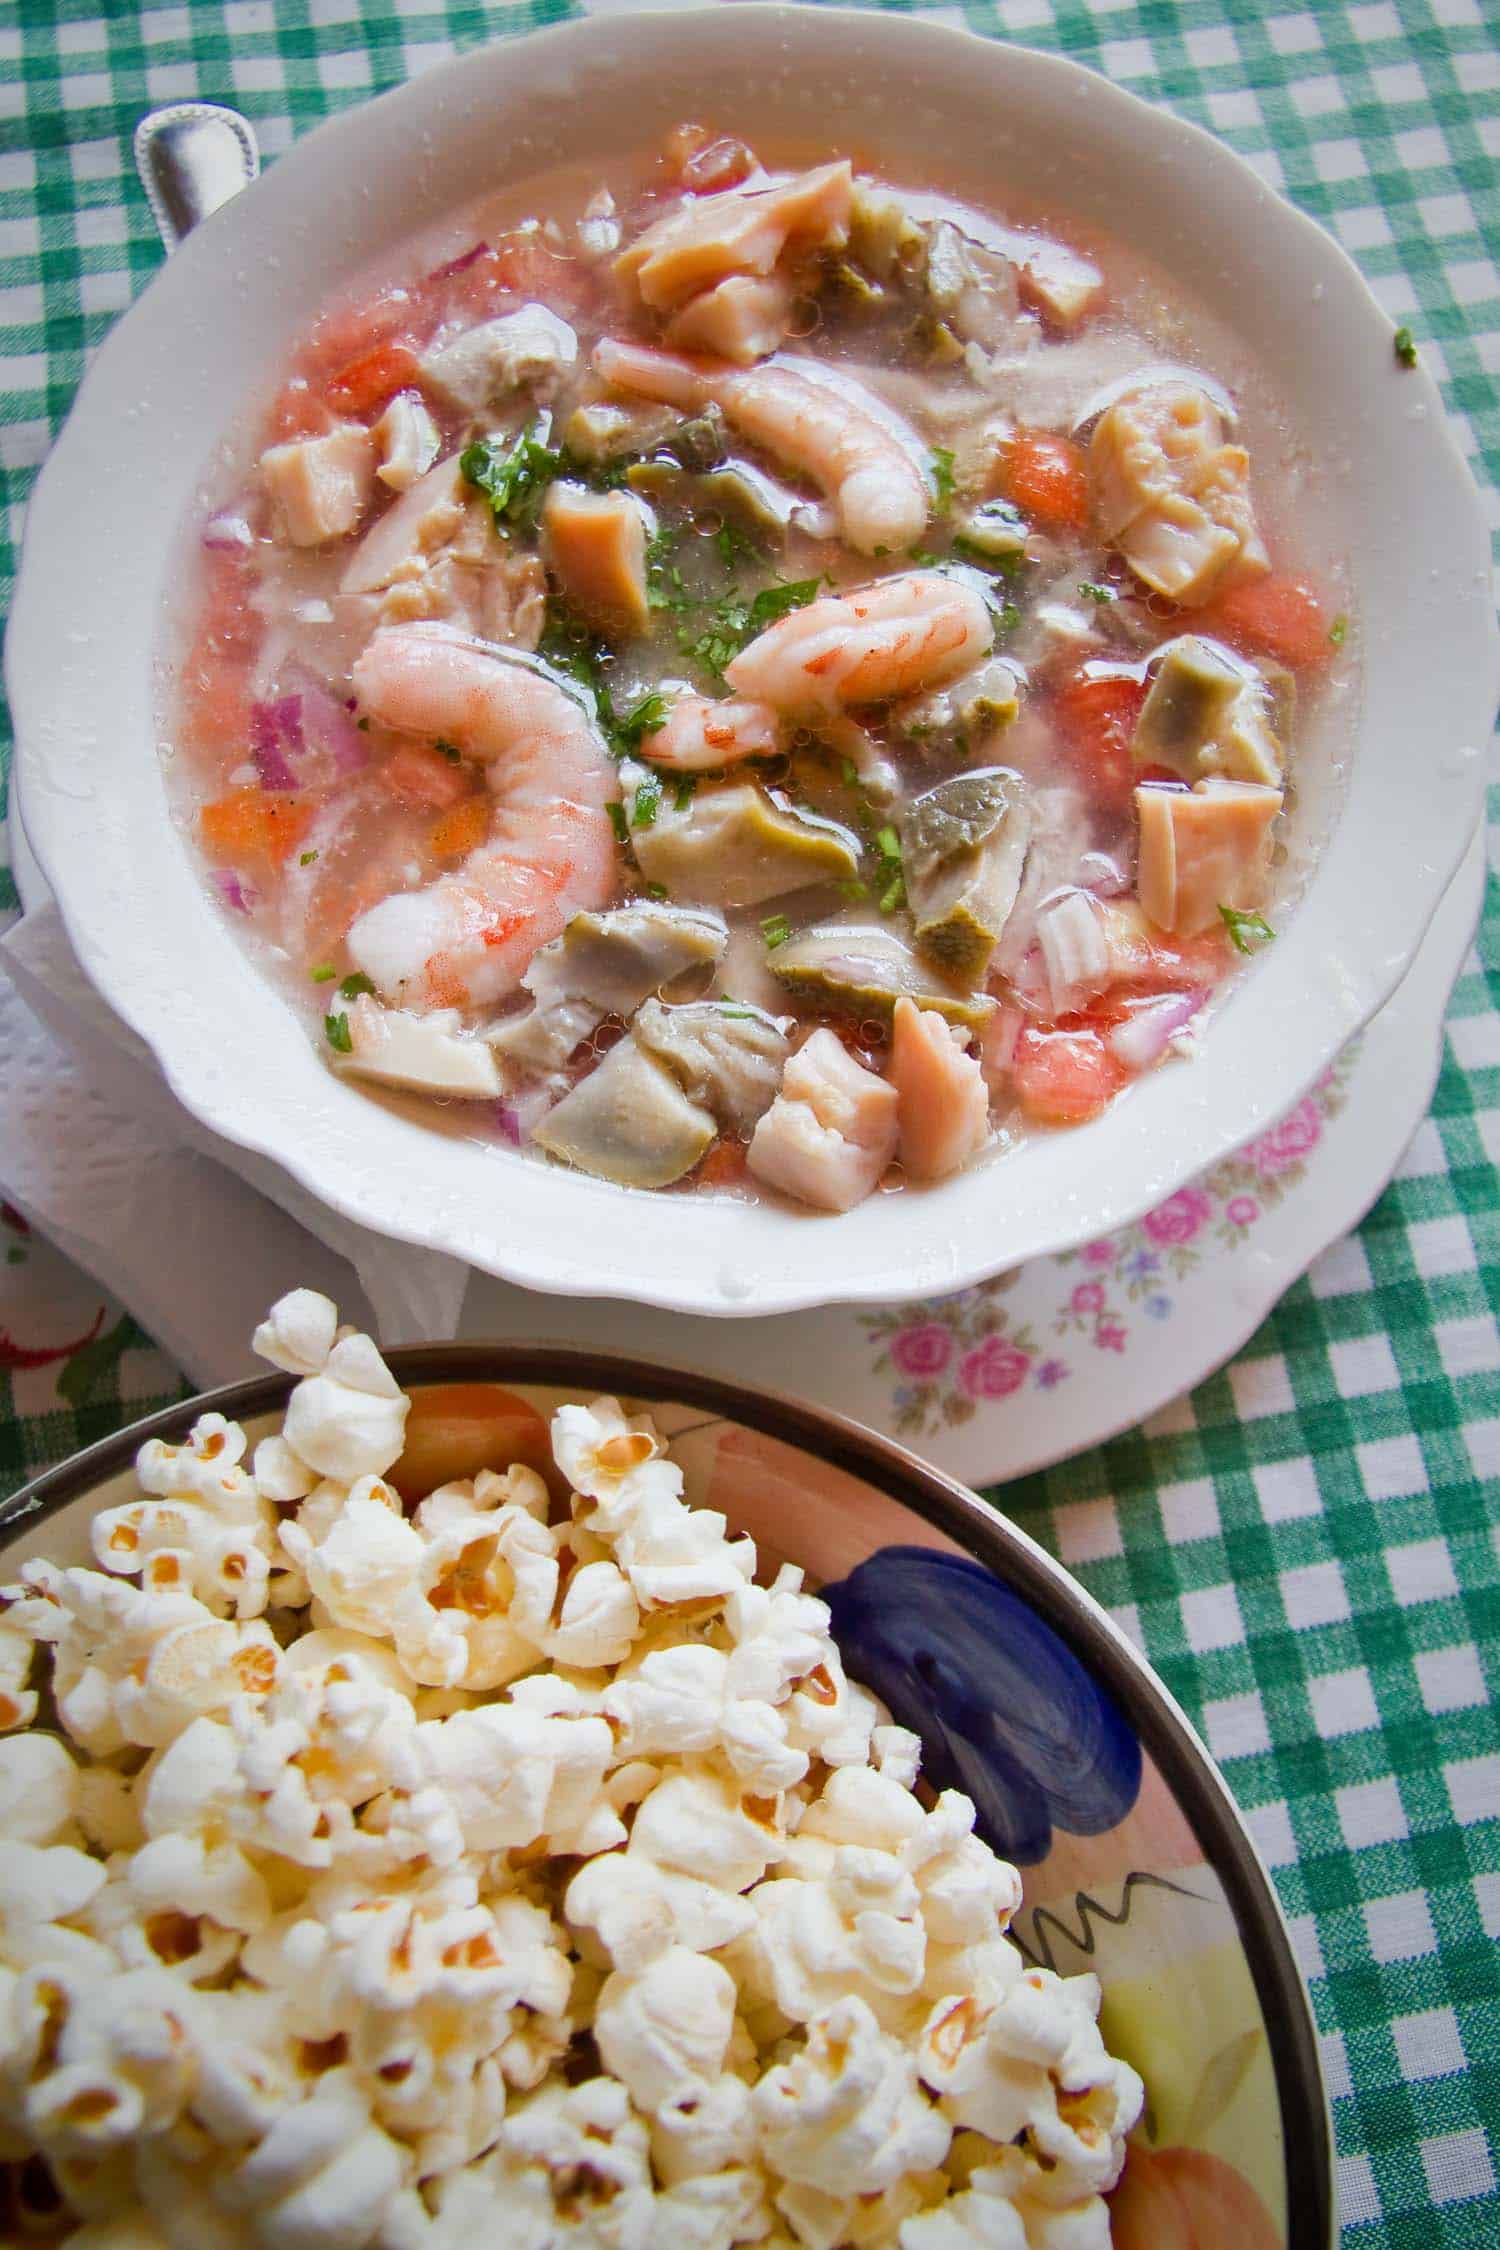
[191, 157]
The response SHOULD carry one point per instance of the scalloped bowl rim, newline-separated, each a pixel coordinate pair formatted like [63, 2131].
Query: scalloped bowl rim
[138, 916]
[981, 1531]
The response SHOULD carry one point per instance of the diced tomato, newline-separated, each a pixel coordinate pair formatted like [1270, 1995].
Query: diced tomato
[725, 1165]
[462, 829]
[533, 271]
[1064, 1077]
[423, 777]
[213, 708]
[1278, 617]
[296, 412]
[1048, 479]
[345, 336]
[372, 379]
[1096, 717]
[252, 827]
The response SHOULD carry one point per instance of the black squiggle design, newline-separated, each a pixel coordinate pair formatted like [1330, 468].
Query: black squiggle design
[1040, 1954]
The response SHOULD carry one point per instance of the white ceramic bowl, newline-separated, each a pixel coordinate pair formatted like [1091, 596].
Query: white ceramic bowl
[209, 337]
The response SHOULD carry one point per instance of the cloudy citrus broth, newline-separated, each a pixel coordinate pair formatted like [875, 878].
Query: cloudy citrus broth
[309, 804]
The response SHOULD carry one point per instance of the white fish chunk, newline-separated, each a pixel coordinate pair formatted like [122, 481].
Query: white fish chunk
[831, 1131]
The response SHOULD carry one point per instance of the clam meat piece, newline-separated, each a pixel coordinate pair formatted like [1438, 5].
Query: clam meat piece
[629, 1121]
[963, 852]
[864, 969]
[726, 1056]
[1207, 713]
[982, 704]
[737, 845]
[605, 964]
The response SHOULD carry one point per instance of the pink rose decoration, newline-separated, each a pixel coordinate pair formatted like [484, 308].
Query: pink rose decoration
[1179, 1218]
[1287, 1143]
[922, 1351]
[1109, 1336]
[1088, 1297]
[1242, 1211]
[1100, 1253]
[995, 1370]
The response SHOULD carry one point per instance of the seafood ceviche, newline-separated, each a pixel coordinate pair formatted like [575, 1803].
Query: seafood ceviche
[499, 1863]
[759, 680]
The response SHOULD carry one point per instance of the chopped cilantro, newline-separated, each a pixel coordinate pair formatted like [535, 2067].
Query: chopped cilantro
[664, 582]
[305, 859]
[942, 475]
[779, 600]
[513, 475]
[1089, 592]
[1338, 631]
[888, 844]
[776, 929]
[736, 1012]
[682, 795]
[627, 729]
[848, 773]
[618, 821]
[893, 896]
[1405, 344]
[854, 889]
[647, 802]
[923, 557]
[324, 973]
[1010, 617]
[1246, 931]
[734, 622]
[448, 750]
[657, 890]
[354, 985]
[336, 1029]
[735, 545]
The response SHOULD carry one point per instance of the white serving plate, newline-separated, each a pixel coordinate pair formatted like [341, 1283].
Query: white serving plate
[212, 332]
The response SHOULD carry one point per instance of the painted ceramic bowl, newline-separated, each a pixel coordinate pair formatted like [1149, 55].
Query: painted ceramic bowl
[1136, 1863]
[206, 343]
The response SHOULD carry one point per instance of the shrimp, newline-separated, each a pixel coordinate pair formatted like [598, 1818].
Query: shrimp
[550, 853]
[846, 442]
[913, 631]
[699, 735]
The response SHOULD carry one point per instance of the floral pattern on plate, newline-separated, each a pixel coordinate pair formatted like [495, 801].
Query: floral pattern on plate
[946, 1357]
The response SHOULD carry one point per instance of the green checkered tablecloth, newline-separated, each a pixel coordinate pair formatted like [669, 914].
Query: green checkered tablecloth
[1307, 1546]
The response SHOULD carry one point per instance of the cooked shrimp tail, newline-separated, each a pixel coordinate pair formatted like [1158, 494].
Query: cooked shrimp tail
[467, 939]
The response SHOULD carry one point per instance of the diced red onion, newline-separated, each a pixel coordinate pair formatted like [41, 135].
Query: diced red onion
[266, 750]
[1101, 873]
[460, 265]
[227, 532]
[1143, 1036]
[232, 891]
[519, 1115]
[287, 713]
[325, 721]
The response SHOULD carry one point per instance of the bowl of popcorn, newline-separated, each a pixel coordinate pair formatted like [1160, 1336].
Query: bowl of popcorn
[509, 1795]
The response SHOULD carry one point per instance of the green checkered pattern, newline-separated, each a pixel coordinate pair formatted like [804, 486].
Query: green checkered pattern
[1307, 1546]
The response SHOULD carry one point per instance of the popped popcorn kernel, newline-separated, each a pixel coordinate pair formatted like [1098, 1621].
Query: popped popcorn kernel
[405, 1880]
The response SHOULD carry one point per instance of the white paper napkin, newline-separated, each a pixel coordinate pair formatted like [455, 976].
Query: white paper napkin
[194, 1235]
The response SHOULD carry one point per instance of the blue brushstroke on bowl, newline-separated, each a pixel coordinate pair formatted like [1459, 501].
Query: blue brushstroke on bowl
[1005, 1710]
